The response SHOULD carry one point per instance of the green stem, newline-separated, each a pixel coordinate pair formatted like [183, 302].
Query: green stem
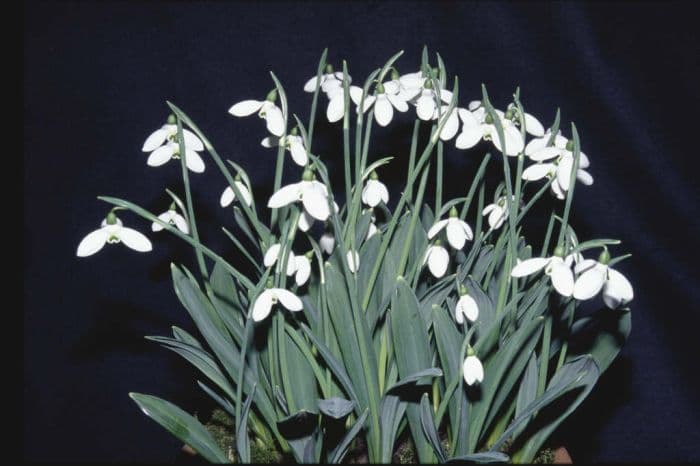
[438, 181]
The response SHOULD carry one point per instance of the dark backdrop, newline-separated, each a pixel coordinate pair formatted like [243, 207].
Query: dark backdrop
[96, 77]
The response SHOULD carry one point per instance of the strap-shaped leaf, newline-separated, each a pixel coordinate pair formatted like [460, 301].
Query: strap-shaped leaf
[182, 425]
[339, 452]
[428, 425]
[336, 407]
[419, 376]
[481, 458]
[242, 441]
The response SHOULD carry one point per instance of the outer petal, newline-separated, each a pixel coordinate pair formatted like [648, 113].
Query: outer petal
[372, 230]
[562, 278]
[383, 111]
[467, 229]
[590, 282]
[536, 144]
[164, 217]
[227, 197]
[316, 203]
[488, 209]
[181, 223]
[556, 189]
[245, 108]
[327, 243]
[288, 299]
[497, 217]
[160, 156]
[245, 193]
[469, 137]
[438, 259]
[529, 266]
[513, 138]
[584, 177]
[285, 196]
[336, 107]
[291, 264]
[545, 153]
[306, 221]
[271, 255]
[155, 140]
[310, 85]
[617, 291]
[296, 148]
[397, 102]
[584, 161]
[135, 240]
[193, 161]
[353, 259]
[445, 96]
[274, 120]
[538, 171]
[303, 270]
[473, 370]
[584, 265]
[93, 242]
[425, 106]
[192, 141]
[262, 305]
[564, 173]
[269, 141]
[435, 229]
[533, 125]
[466, 307]
[456, 235]
[451, 126]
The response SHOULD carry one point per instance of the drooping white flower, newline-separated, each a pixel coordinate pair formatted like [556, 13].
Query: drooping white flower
[458, 231]
[497, 213]
[112, 231]
[271, 296]
[478, 125]
[312, 194]
[229, 195]
[273, 253]
[302, 269]
[437, 259]
[596, 276]
[297, 265]
[472, 369]
[428, 105]
[163, 146]
[406, 87]
[172, 217]
[329, 81]
[353, 259]
[556, 267]
[374, 191]
[267, 109]
[466, 307]
[293, 143]
[387, 97]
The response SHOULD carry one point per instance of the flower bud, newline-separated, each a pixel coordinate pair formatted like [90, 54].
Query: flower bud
[271, 96]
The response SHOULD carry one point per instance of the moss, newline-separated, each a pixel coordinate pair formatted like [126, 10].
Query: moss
[220, 426]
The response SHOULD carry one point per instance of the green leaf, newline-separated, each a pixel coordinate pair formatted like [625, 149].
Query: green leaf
[335, 407]
[182, 425]
[392, 410]
[602, 335]
[339, 452]
[481, 458]
[428, 425]
[242, 441]
[419, 377]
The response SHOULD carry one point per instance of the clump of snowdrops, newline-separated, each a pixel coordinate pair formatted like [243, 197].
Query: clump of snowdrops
[387, 316]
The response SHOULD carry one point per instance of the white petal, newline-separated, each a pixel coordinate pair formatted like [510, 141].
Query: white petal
[562, 278]
[316, 203]
[536, 144]
[374, 192]
[438, 259]
[451, 126]
[590, 282]
[155, 140]
[556, 189]
[488, 209]
[291, 264]
[584, 265]
[467, 229]
[435, 229]
[473, 105]
[285, 196]
[269, 141]
[529, 266]
[383, 111]
[584, 177]
[305, 222]
[191, 140]
[194, 161]
[336, 107]
[262, 306]
[296, 148]
[497, 217]
[245, 193]
[469, 137]
[538, 171]
[303, 270]
[271, 255]
[164, 217]
[181, 223]
[372, 230]
[545, 153]
[327, 243]
[353, 259]
[473, 370]
[466, 307]
[310, 85]
[445, 96]
[398, 102]
[93, 242]
[274, 120]
[135, 240]
[160, 156]
[288, 299]
[355, 93]
[227, 197]
[533, 125]
[425, 106]
[245, 108]
[617, 290]
[456, 235]
[564, 173]
[583, 161]
[513, 139]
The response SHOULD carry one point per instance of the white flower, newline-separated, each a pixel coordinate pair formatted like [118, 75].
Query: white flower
[163, 146]
[437, 259]
[306, 221]
[112, 231]
[386, 98]
[336, 104]
[410, 84]
[596, 276]
[458, 231]
[375, 191]
[311, 193]
[229, 195]
[372, 230]
[297, 265]
[466, 308]
[327, 242]
[329, 81]
[292, 143]
[558, 269]
[271, 296]
[353, 259]
[478, 125]
[473, 370]
[427, 107]
[497, 212]
[172, 217]
[265, 109]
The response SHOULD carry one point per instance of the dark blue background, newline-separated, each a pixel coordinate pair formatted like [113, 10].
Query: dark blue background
[95, 80]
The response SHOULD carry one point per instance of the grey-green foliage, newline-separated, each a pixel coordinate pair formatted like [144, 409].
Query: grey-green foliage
[377, 355]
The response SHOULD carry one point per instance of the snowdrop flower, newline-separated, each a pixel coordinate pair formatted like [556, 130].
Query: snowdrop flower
[437, 259]
[329, 81]
[297, 265]
[427, 106]
[466, 307]
[497, 212]
[327, 241]
[302, 268]
[172, 217]
[385, 99]
[598, 275]
[271, 296]
[472, 368]
[273, 253]
[291, 142]
[229, 195]
[372, 230]
[163, 146]
[312, 194]
[266, 109]
[478, 125]
[558, 269]
[375, 191]
[353, 259]
[112, 231]
[458, 232]
[532, 124]
[410, 84]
